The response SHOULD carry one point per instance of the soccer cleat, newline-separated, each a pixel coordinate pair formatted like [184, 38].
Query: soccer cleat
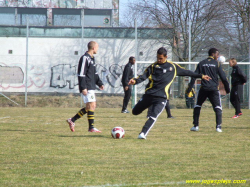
[125, 111]
[142, 136]
[71, 124]
[235, 116]
[218, 130]
[94, 130]
[195, 128]
[240, 114]
[171, 117]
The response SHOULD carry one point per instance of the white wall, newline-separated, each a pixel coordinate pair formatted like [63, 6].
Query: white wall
[52, 64]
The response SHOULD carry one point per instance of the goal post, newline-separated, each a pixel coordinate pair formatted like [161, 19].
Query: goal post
[140, 67]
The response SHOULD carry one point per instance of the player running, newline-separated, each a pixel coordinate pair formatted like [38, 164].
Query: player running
[161, 74]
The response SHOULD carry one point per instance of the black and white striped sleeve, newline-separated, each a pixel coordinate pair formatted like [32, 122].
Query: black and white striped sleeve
[82, 69]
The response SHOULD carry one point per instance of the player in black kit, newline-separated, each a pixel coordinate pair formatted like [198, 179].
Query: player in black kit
[209, 89]
[126, 76]
[88, 78]
[238, 79]
[161, 74]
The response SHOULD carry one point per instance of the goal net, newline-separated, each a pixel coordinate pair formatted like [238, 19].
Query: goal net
[179, 85]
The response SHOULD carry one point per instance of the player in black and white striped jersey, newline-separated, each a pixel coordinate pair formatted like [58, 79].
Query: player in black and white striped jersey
[88, 78]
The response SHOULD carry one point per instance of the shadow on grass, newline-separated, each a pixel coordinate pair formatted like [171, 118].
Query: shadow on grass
[12, 130]
[78, 136]
[236, 127]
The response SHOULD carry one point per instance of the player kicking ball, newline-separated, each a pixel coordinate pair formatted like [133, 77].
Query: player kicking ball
[161, 74]
[88, 78]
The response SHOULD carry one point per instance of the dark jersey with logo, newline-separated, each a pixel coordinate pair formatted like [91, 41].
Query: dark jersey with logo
[87, 75]
[161, 77]
[212, 68]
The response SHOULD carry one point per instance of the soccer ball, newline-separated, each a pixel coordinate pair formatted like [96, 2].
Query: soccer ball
[117, 132]
[221, 59]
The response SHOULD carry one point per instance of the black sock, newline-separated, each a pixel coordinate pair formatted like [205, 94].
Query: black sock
[79, 114]
[91, 118]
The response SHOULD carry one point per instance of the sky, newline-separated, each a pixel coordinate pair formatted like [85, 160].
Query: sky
[122, 7]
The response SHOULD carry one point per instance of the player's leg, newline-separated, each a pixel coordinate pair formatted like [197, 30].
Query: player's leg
[143, 103]
[202, 96]
[187, 102]
[158, 105]
[91, 116]
[215, 99]
[237, 101]
[90, 100]
[192, 100]
[79, 114]
[126, 99]
[233, 95]
[167, 107]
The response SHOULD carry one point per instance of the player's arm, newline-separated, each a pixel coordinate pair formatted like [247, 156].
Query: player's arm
[196, 74]
[82, 74]
[142, 77]
[223, 78]
[183, 72]
[192, 81]
[98, 81]
[125, 79]
[242, 76]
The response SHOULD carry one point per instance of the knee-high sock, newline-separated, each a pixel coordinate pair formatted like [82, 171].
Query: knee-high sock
[196, 115]
[79, 114]
[91, 118]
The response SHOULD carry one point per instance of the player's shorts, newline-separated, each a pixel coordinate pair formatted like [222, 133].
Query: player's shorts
[90, 97]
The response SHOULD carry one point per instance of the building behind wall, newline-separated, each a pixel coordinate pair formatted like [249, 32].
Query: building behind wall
[96, 13]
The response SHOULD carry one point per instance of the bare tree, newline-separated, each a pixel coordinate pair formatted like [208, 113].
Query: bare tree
[178, 14]
[237, 28]
[211, 25]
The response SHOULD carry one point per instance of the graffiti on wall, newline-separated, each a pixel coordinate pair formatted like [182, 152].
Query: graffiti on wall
[13, 77]
[10, 75]
[65, 75]
[61, 76]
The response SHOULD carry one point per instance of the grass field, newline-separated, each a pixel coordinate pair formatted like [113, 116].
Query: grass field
[38, 149]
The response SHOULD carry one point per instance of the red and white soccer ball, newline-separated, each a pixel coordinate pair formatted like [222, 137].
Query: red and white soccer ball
[117, 132]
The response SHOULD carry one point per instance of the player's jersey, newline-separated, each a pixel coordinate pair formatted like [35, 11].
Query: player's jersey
[87, 75]
[127, 74]
[212, 68]
[161, 77]
[238, 77]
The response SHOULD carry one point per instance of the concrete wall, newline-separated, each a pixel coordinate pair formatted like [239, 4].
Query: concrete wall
[52, 62]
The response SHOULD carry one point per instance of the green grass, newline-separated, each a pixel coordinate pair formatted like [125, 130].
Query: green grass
[38, 149]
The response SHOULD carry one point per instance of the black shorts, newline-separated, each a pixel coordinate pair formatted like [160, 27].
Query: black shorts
[157, 105]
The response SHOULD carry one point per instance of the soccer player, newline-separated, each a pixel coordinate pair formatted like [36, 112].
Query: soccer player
[161, 74]
[190, 97]
[209, 89]
[238, 78]
[88, 78]
[126, 76]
